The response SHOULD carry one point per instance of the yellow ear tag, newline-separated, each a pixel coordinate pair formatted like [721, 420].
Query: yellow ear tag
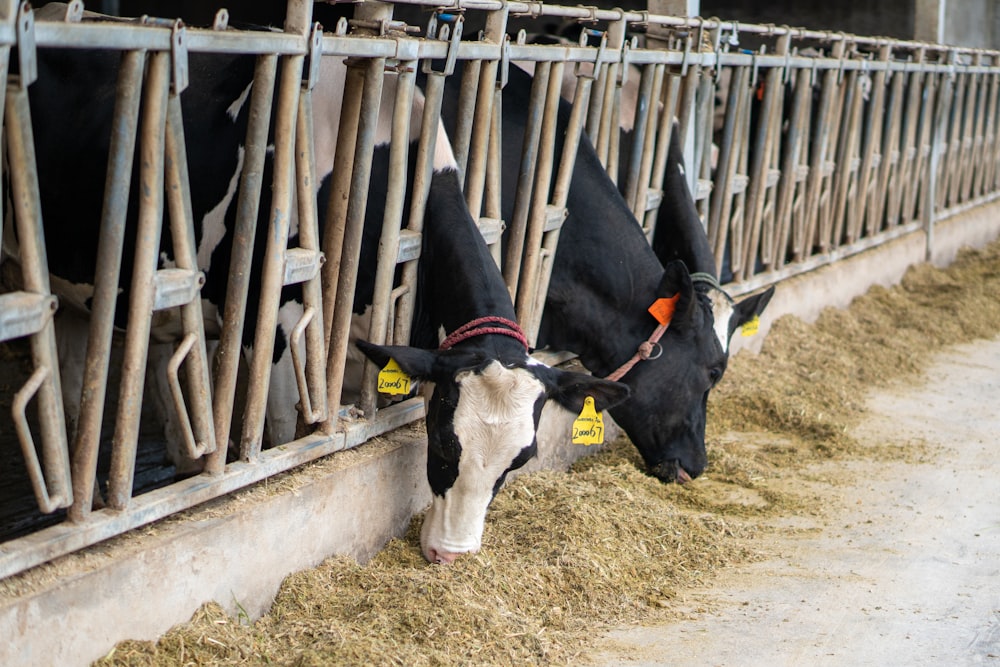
[392, 379]
[588, 428]
[750, 327]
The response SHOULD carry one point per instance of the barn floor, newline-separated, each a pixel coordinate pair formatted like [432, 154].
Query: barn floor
[901, 568]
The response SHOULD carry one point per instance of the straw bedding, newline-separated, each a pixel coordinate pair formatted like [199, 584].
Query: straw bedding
[567, 553]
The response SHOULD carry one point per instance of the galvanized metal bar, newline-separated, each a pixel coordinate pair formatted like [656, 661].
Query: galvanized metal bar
[461, 137]
[722, 195]
[950, 162]
[429, 126]
[147, 249]
[311, 379]
[227, 355]
[908, 148]
[53, 488]
[976, 131]
[532, 263]
[989, 133]
[846, 159]
[795, 147]
[985, 183]
[644, 100]
[647, 149]
[494, 187]
[560, 194]
[400, 87]
[518, 224]
[767, 144]
[606, 140]
[920, 174]
[357, 202]
[817, 185]
[870, 153]
[890, 153]
[273, 267]
[105, 296]
[941, 135]
[475, 173]
[178, 189]
[670, 95]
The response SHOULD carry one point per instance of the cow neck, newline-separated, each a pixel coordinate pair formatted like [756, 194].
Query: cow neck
[484, 326]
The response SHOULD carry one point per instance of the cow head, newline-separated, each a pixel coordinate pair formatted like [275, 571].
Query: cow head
[665, 416]
[482, 421]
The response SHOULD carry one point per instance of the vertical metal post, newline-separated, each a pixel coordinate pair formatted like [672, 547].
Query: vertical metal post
[227, 355]
[147, 248]
[55, 489]
[401, 87]
[109, 257]
[518, 223]
[475, 175]
[357, 201]
[827, 123]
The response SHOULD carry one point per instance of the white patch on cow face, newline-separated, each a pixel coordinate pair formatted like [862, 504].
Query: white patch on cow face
[494, 421]
[722, 311]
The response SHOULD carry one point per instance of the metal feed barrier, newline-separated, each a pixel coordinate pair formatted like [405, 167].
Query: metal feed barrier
[826, 144]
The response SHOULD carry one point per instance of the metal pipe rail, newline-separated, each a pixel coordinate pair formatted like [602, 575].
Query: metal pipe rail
[828, 144]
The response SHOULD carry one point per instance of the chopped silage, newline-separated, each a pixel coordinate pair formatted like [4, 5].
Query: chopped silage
[567, 553]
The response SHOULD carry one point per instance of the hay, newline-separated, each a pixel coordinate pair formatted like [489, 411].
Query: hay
[567, 553]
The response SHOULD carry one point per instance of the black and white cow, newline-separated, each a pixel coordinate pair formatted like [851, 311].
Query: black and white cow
[488, 392]
[605, 276]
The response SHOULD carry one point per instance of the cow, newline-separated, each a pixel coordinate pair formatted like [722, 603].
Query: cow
[488, 392]
[605, 276]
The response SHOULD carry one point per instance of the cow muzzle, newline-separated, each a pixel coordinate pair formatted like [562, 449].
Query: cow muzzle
[671, 471]
[441, 557]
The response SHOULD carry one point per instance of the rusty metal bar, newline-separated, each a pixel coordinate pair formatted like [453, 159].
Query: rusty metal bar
[201, 439]
[870, 154]
[400, 88]
[795, 147]
[370, 79]
[532, 262]
[429, 127]
[560, 194]
[147, 248]
[890, 154]
[523, 197]
[647, 148]
[53, 487]
[670, 95]
[109, 256]
[817, 183]
[227, 355]
[919, 181]
[766, 147]
[722, 195]
[273, 268]
[482, 123]
[310, 375]
[461, 137]
[844, 182]
[908, 148]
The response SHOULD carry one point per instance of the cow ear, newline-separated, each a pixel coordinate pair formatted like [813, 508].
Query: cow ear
[677, 280]
[570, 389]
[415, 362]
[749, 308]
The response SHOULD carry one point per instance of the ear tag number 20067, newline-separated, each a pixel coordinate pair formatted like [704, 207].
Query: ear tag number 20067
[393, 380]
[588, 428]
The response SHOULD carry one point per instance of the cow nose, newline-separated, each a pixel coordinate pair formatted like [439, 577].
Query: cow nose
[441, 557]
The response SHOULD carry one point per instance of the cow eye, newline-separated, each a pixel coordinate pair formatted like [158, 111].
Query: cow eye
[714, 375]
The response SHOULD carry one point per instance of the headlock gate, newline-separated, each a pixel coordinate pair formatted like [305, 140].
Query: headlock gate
[803, 149]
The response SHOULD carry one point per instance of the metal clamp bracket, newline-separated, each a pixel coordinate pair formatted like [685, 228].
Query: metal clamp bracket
[179, 57]
[315, 55]
[446, 33]
[26, 55]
